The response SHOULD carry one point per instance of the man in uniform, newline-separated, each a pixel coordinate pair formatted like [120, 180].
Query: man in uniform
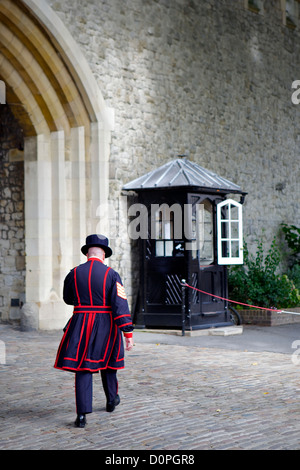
[92, 339]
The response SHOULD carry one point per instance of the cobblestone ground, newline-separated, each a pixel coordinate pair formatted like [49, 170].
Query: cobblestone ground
[172, 398]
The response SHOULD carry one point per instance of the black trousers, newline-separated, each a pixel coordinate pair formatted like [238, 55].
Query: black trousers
[84, 389]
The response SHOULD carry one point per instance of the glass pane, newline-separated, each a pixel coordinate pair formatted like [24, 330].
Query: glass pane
[206, 253]
[167, 230]
[208, 231]
[224, 213]
[225, 252]
[193, 245]
[164, 221]
[235, 249]
[224, 229]
[234, 212]
[169, 248]
[159, 249]
[158, 225]
[194, 228]
[205, 232]
[234, 230]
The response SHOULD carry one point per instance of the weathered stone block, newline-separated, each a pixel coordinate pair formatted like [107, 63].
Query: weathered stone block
[29, 317]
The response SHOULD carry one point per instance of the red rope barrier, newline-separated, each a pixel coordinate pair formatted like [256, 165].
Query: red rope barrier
[232, 301]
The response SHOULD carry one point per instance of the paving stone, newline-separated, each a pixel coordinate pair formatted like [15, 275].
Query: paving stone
[173, 397]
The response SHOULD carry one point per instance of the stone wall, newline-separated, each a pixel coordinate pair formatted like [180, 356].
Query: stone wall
[206, 78]
[210, 79]
[269, 318]
[12, 243]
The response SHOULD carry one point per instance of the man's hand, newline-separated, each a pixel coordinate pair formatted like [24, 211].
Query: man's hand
[129, 343]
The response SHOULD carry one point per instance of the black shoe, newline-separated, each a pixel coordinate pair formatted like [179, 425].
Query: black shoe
[110, 405]
[80, 421]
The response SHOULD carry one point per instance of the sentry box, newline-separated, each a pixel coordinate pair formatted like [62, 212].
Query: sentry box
[189, 226]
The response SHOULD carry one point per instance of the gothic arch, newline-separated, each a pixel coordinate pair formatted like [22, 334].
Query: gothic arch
[66, 124]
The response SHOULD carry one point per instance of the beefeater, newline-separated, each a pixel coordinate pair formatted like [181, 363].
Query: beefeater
[92, 339]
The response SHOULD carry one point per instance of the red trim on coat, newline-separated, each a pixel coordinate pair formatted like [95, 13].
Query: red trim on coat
[87, 336]
[107, 344]
[79, 342]
[61, 344]
[86, 369]
[125, 315]
[122, 358]
[89, 282]
[104, 285]
[127, 334]
[113, 345]
[75, 281]
[92, 309]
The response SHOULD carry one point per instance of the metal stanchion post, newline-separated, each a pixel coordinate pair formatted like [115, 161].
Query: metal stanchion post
[183, 306]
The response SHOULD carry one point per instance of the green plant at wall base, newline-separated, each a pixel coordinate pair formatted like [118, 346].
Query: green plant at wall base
[257, 282]
[292, 237]
[294, 275]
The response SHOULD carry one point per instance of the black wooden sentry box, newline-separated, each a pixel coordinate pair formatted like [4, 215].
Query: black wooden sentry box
[188, 230]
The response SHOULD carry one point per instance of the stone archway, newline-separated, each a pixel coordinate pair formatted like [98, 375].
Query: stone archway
[66, 127]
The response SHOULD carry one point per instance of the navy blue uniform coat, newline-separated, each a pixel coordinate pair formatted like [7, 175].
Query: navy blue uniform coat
[92, 338]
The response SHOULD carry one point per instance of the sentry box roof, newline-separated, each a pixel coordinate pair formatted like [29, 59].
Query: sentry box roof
[182, 173]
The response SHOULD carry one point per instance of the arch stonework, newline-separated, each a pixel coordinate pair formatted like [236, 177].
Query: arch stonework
[67, 131]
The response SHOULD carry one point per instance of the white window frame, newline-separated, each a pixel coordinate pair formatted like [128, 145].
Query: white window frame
[229, 259]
